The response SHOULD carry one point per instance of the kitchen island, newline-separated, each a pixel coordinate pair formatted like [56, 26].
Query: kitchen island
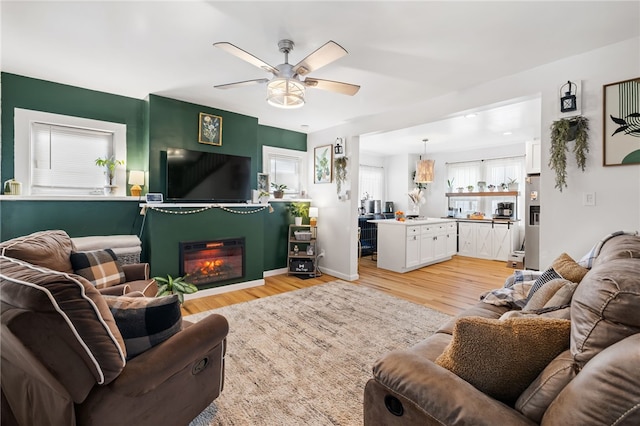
[412, 244]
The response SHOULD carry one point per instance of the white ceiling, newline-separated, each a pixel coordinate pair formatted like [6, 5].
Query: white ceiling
[400, 53]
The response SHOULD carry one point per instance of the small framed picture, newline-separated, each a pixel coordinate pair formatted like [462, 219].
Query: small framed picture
[322, 164]
[210, 129]
[263, 182]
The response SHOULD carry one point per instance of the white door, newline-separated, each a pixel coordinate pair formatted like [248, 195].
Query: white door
[483, 240]
[412, 251]
[427, 244]
[466, 239]
[501, 244]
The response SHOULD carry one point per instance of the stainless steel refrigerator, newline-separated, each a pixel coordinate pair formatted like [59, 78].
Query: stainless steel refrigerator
[532, 224]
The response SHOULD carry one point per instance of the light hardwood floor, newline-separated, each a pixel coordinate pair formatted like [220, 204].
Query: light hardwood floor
[448, 287]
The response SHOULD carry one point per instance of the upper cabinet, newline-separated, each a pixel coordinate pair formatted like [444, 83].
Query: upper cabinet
[533, 157]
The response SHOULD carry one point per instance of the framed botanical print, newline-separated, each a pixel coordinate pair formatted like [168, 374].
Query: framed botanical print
[322, 164]
[210, 129]
[621, 122]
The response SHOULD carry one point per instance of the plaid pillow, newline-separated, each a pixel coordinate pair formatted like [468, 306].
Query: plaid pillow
[145, 321]
[100, 267]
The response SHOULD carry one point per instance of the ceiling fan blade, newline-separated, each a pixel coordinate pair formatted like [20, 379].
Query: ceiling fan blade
[246, 56]
[324, 55]
[332, 86]
[242, 83]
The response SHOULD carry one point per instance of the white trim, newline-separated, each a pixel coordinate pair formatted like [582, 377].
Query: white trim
[275, 272]
[63, 314]
[23, 119]
[301, 155]
[223, 289]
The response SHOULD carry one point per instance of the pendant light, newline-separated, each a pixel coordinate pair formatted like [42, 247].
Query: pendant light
[424, 168]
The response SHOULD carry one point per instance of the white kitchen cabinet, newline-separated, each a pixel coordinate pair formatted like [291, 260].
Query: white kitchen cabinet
[487, 240]
[533, 157]
[452, 238]
[404, 246]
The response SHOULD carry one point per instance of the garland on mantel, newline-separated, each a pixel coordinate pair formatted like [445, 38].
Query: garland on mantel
[202, 209]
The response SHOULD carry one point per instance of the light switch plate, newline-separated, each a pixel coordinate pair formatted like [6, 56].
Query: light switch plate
[588, 198]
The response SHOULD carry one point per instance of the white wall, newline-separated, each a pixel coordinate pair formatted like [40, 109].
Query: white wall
[566, 225]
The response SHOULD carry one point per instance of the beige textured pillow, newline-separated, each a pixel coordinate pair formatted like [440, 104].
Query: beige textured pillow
[502, 357]
[540, 298]
[569, 269]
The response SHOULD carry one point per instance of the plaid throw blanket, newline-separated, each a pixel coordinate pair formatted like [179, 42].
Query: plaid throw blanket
[587, 259]
[515, 292]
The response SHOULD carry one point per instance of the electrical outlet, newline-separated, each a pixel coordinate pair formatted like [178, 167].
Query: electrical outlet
[588, 198]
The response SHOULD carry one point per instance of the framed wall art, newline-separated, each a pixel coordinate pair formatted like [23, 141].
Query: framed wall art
[322, 163]
[210, 129]
[621, 122]
[263, 182]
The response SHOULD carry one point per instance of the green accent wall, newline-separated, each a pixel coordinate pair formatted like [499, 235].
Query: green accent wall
[45, 96]
[77, 218]
[153, 125]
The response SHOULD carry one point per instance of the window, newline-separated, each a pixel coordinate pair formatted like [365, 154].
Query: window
[371, 182]
[55, 154]
[285, 167]
[493, 172]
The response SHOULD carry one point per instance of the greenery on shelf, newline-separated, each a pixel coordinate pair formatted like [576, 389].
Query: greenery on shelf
[278, 190]
[170, 285]
[564, 131]
[110, 165]
[298, 209]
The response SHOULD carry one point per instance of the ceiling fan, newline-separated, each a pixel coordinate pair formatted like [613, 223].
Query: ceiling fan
[285, 89]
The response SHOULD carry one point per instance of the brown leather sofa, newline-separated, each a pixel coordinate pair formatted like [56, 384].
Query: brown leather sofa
[64, 360]
[596, 381]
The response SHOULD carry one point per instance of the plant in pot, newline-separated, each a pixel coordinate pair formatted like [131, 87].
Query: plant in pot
[298, 210]
[470, 188]
[491, 187]
[109, 165]
[564, 131]
[513, 184]
[450, 184]
[278, 190]
[340, 165]
[170, 285]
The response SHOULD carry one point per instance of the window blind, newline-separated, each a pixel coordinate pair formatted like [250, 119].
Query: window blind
[64, 158]
[371, 182]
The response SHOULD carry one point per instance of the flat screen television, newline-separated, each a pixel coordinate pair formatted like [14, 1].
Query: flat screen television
[197, 176]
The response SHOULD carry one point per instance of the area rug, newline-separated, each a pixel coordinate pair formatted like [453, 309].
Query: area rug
[304, 357]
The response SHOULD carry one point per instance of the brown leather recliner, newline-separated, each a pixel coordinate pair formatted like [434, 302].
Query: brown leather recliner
[52, 249]
[595, 382]
[64, 359]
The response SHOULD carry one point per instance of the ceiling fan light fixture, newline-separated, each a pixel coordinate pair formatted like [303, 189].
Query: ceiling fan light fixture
[285, 93]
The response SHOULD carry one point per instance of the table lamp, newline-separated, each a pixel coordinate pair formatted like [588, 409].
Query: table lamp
[136, 178]
[313, 216]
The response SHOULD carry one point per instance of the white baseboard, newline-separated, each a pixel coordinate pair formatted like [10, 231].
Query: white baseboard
[223, 289]
[339, 274]
[273, 272]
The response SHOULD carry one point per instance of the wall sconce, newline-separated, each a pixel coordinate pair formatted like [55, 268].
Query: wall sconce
[136, 178]
[313, 216]
[568, 102]
[338, 149]
[424, 168]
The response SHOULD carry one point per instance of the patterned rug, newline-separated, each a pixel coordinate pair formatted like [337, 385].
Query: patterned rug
[303, 357]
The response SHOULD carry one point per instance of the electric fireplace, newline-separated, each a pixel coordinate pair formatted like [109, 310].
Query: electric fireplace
[212, 262]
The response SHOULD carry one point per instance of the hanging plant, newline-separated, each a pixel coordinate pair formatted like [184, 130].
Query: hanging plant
[564, 131]
[340, 165]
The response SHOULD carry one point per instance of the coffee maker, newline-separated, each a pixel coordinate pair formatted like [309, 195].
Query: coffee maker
[504, 211]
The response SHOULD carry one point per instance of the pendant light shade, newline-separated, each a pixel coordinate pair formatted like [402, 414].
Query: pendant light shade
[424, 168]
[285, 93]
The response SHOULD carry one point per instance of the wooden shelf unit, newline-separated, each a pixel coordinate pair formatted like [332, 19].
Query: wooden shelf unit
[512, 194]
[302, 263]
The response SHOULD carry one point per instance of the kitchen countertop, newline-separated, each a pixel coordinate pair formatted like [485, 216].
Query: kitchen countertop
[411, 222]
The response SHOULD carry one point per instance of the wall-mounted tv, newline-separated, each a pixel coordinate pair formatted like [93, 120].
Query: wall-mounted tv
[207, 177]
